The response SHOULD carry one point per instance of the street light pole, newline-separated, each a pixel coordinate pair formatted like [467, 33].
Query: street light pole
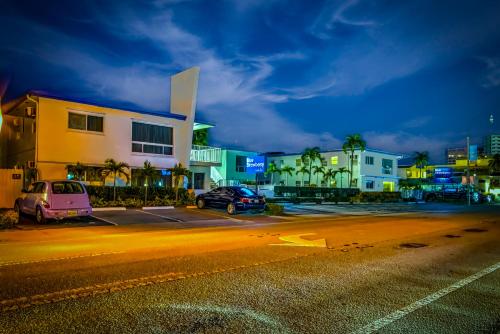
[468, 171]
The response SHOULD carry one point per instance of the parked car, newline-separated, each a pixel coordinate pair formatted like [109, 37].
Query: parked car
[455, 192]
[233, 199]
[54, 200]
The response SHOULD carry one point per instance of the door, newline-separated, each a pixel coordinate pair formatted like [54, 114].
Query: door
[34, 192]
[211, 197]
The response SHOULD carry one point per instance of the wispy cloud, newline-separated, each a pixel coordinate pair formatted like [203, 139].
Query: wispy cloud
[492, 78]
[335, 13]
[416, 122]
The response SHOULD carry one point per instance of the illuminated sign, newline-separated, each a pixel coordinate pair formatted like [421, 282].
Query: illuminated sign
[255, 164]
[334, 160]
[472, 152]
[443, 175]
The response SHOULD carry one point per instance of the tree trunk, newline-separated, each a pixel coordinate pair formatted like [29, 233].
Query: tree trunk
[146, 193]
[114, 187]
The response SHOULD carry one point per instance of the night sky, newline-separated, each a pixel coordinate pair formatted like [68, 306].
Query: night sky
[275, 75]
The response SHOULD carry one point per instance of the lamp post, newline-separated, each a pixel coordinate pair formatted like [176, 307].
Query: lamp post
[468, 171]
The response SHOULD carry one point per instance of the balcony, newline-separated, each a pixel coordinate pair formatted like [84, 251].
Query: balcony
[205, 155]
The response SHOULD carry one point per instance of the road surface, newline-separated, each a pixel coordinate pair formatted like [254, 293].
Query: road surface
[420, 272]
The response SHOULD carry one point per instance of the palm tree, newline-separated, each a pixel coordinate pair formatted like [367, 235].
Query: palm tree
[200, 137]
[78, 170]
[494, 164]
[421, 161]
[111, 167]
[328, 174]
[272, 169]
[353, 142]
[178, 172]
[287, 170]
[341, 171]
[318, 170]
[149, 173]
[310, 155]
[302, 170]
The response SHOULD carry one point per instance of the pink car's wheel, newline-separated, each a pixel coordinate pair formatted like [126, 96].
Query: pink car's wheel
[40, 218]
[17, 209]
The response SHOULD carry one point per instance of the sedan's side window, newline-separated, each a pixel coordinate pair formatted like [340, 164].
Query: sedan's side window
[38, 188]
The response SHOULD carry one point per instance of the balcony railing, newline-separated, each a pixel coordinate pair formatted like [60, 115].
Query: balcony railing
[205, 154]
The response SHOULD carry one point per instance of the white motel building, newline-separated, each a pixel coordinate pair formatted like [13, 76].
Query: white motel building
[373, 170]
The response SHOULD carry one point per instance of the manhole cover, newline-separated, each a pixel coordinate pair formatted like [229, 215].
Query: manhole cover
[475, 230]
[413, 245]
[451, 236]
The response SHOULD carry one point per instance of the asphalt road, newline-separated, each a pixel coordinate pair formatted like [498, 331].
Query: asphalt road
[204, 272]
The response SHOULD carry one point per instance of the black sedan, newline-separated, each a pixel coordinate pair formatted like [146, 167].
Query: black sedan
[233, 199]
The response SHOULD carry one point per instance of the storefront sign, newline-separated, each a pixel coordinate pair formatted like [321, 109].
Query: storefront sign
[256, 164]
[473, 153]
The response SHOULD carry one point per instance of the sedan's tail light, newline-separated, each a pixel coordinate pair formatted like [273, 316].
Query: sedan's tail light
[46, 205]
[245, 200]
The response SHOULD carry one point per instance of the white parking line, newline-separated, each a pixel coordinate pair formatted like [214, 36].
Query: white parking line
[105, 220]
[380, 323]
[164, 217]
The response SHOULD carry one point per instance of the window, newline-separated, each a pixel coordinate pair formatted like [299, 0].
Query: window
[245, 192]
[67, 187]
[306, 183]
[386, 166]
[334, 160]
[152, 139]
[370, 184]
[199, 180]
[39, 188]
[85, 122]
[323, 162]
[298, 162]
[297, 183]
[369, 160]
[241, 164]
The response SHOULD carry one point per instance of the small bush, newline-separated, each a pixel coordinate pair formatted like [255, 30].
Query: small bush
[8, 219]
[275, 209]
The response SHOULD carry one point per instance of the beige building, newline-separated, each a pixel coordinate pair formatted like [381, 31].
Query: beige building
[47, 132]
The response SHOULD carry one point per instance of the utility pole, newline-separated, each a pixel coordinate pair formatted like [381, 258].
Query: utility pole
[468, 171]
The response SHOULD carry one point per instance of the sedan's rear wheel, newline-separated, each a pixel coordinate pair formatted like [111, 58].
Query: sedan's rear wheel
[40, 218]
[200, 203]
[231, 208]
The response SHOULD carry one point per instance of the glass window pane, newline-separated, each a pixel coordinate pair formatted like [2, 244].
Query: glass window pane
[150, 133]
[94, 123]
[136, 147]
[167, 150]
[77, 121]
[152, 149]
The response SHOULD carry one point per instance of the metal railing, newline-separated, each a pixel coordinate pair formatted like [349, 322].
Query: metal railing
[205, 154]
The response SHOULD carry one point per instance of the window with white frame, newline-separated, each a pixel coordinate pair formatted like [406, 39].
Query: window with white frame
[369, 160]
[152, 138]
[297, 183]
[370, 184]
[85, 122]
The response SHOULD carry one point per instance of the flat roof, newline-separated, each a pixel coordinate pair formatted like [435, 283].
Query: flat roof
[340, 150]
[12, 104]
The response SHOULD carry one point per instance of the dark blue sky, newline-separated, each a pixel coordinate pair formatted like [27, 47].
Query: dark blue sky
[275, 75]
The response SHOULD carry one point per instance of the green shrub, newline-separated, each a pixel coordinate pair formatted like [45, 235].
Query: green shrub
[275, 209]
[8, 219]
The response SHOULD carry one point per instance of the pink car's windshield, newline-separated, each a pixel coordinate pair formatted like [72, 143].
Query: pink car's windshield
[67, 187]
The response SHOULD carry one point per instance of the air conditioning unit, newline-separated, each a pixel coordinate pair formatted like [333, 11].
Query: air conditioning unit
[31, 164]
[30, 112]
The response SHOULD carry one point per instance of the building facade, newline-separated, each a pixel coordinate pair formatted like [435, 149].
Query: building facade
[46, 133]
[492, 145]
[373, 170]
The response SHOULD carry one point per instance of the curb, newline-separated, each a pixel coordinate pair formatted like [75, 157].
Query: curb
[191, 207]
[157, 207]
[118, 208]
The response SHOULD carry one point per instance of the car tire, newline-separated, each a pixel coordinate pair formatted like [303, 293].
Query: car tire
[39, 217]
[231, 208]
[200, 203]
[17, 209]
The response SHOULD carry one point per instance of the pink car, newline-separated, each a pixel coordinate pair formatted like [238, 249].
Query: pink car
[54, 200]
